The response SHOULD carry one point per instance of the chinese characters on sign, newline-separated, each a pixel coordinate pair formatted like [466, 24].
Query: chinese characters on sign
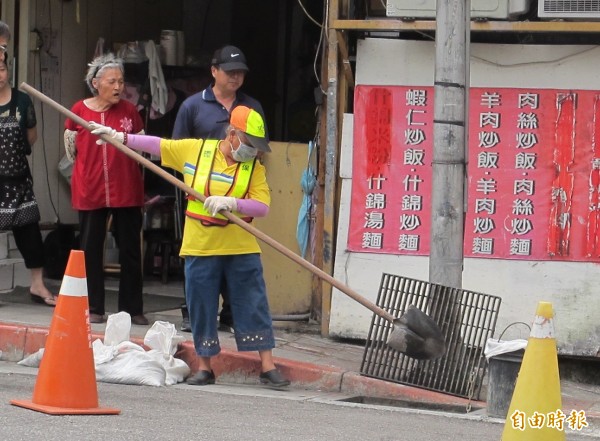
[576, 420]
[533, 176]
[390, 212]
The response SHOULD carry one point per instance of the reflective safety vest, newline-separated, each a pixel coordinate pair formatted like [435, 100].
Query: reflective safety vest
[201, 183]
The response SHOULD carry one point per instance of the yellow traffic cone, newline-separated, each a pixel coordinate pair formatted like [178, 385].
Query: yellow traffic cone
[535, 409]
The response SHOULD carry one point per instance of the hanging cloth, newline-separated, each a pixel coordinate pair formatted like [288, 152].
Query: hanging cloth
[99, 48]
[158, 86]
[308, 182]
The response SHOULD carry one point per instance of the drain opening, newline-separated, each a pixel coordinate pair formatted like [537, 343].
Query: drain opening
[454, 408]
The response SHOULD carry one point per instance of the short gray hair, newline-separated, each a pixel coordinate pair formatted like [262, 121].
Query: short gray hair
[4, 30]
[97, 66]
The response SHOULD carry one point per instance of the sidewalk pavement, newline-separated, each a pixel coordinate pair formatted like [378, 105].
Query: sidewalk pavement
[310, 361]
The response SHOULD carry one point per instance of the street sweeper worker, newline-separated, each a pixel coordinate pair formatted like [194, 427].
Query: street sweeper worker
[227, 173]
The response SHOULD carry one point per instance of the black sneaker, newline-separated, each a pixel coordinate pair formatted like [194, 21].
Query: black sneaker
[185, 325]
[274, 378]
[202, 378]
[226, 327]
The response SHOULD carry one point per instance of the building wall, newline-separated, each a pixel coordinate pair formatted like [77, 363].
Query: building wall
[288, 284]
[570, 286]
[69, 33]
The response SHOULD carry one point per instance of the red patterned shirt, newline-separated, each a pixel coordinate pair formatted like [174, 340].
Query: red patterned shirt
[102, 175]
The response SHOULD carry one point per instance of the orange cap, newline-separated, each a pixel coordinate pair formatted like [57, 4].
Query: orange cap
[251, 123]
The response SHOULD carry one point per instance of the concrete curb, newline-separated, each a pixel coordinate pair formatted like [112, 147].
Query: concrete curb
[18, 341]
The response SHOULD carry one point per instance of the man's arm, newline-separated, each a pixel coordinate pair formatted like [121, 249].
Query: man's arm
[182, 127]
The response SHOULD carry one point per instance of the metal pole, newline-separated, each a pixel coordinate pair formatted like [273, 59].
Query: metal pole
[331, 160]
[449, 142]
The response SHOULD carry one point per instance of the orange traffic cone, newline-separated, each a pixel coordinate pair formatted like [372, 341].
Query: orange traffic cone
[66, 381]
[535, 409]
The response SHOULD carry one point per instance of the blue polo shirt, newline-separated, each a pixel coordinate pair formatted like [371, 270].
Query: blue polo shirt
[202, 116]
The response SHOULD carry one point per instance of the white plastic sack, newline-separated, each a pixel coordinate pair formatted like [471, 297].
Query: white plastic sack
[163, 339]
[118, 328]
[131, 365]
[33, 360]
[102, 352]
[127, 362]
[175, 370]
[495, 347]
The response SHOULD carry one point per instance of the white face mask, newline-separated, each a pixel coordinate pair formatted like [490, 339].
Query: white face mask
[244, 152]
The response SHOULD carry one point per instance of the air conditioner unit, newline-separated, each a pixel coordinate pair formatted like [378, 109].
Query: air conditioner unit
[480, 9]
[576, 9]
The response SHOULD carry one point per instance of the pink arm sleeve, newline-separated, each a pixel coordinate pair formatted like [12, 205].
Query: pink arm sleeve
[144, 143]
[252, 208]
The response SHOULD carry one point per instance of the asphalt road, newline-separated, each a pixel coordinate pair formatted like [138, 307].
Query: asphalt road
[229, 412]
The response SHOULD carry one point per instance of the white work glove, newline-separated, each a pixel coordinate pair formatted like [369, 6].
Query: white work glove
[214, 204]
[99, 129]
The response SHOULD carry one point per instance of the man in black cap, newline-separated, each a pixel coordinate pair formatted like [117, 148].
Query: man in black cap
[206, 115]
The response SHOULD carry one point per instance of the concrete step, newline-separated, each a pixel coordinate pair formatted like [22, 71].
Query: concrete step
[13, 273]
[12, 268]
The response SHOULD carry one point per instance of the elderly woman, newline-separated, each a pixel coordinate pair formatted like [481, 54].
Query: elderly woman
[104, 182]
[18, 207]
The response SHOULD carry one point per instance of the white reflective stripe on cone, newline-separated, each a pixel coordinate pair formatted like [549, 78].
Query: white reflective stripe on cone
[543, 327]
[73, 287]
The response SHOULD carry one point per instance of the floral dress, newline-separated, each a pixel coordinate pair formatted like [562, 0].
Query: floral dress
[18, 206]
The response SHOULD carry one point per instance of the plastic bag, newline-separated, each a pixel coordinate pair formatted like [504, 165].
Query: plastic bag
[102, 352]
[125, 362]
[495, 347]
[32, 360]
[131, 365]
[118, 327]
[65, 168]
[175, 370]
[163, 337]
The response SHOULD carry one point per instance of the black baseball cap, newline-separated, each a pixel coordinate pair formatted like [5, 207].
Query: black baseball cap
[229, 58]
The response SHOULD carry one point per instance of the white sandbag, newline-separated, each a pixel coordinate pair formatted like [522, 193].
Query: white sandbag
[163, 337]
[128, 363]
[32, 360]
[163, 340]
[131, 365]
[176, 370]
[102, 352]
[118, 328]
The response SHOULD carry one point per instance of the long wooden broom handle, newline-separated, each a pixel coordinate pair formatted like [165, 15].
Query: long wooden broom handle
[231, 217]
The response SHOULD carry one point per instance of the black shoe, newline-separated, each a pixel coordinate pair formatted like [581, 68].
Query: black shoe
[139, 320]
[274, 378]
[97, 318]
[185, 319]
[202, 378]
[226, 327]
[185, 325]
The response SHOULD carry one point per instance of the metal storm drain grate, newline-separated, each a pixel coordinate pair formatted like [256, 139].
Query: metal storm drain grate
[467, 319]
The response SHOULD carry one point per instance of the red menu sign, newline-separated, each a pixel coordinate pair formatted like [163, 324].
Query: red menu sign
[533, 175]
